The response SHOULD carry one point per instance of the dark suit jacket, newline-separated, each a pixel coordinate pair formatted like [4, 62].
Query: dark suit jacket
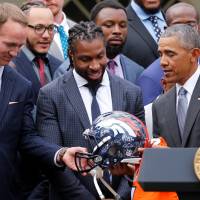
[25, 67]
[165, 124]
[61, 111]
[17, 131]
[150, 82]
[140, 45]
[131, 70]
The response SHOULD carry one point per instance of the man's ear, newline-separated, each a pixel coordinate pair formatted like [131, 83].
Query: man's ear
[195, 54]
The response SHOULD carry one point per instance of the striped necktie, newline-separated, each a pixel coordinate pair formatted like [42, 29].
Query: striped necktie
[182, 109]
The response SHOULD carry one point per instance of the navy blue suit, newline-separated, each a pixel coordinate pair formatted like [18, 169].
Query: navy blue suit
[150, 82]
[25, 67]
[17, 131]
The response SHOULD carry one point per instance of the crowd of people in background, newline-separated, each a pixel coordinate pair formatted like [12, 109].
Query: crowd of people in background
[57, 76]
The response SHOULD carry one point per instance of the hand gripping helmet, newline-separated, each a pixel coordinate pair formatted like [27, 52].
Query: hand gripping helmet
[113, 136]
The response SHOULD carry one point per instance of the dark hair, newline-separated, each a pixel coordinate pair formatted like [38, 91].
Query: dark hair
[32, 4]
[83, 31]
[105, 4]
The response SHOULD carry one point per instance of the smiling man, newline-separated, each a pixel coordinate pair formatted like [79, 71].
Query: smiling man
[33, 61]
[68, 105]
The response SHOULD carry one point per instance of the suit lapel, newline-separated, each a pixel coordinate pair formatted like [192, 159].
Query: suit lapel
[28, 70]
[6, 90]
[193, 110]
[116, 93]
[172, 121]
[74, 96]
[137, 25]
[52, 65]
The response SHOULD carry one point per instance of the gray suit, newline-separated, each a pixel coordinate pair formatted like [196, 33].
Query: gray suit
[62, 118]
[54, 49]
[165, 124]
[165, 121]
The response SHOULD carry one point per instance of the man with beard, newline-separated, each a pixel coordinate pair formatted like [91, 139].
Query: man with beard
[66, 106]
[33, 61]
[145, 24]
[111, 16]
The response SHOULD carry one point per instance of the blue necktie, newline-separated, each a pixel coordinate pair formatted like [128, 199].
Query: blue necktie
[94, 106]
[182, 109]
[64, 40]
[156, 28]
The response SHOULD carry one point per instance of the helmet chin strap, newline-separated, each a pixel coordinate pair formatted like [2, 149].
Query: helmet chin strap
[97, 174]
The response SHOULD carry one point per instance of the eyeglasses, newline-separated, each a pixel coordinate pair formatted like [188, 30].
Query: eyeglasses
[40, 28]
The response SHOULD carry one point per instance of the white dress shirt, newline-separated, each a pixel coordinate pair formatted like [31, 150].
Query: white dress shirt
[57, 35]
[1, 73]
[189, 86]
[103, 94]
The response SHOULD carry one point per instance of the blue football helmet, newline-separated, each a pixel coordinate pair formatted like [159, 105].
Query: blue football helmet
[114, 137]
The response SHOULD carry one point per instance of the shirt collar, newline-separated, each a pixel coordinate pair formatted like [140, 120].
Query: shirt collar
[142, 14]
[64, 21]
[189, 85]
[30, 55]
[1, 71]
[80, 81]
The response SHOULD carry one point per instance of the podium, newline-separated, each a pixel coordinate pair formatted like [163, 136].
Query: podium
[169, 169]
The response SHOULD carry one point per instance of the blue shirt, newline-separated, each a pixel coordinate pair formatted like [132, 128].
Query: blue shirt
[144, 19]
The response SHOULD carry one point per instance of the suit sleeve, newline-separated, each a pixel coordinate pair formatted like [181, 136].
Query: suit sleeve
[64, 183]
[30, 142]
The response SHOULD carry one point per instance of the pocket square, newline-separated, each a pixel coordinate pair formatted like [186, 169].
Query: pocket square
[13, 102]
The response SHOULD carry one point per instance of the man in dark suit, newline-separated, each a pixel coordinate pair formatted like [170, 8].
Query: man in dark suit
[64, 106]
[176, 113]
[141, 45]
[150, 78]
[17, 131]
[33, 61]
[111, 16]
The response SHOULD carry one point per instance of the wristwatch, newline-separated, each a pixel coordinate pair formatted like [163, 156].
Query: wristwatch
[60, 155]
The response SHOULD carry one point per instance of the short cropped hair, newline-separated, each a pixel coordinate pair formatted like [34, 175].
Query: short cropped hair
[188, 36]
[105, 4]
[11, 11]
[26, 7]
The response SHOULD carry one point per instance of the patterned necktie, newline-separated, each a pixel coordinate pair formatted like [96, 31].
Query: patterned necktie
[64, 40]
[111, 66]
[41, 66]
[95, 110]
[182, 109]
[156, 28]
